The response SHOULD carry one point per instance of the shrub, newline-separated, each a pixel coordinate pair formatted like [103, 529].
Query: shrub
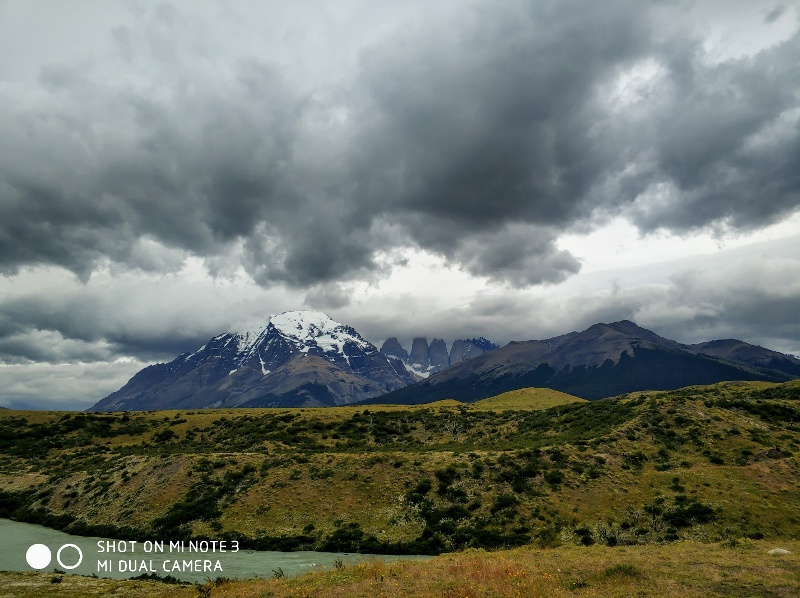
[504, 501]
[622, 569]
[164, 436]
[585, 535]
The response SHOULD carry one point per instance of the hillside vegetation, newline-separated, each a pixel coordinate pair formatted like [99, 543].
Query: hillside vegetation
[526, 398]
[714, 463]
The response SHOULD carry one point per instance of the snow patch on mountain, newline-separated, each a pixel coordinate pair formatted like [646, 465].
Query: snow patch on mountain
[314, 328]
[416, 368]
[304, 331]
[249, 340]
[310, 329]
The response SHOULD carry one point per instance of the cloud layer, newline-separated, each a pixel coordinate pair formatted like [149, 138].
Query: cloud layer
[477, 132]
[69, 351]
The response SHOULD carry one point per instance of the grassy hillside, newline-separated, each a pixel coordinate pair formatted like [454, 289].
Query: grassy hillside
[716, 463]
[526, 398]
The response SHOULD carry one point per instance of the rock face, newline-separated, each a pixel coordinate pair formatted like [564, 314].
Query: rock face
[418, 359]
[438, 357]
[460, 351]
[426, 359]
[392, 348]
[301, 358]
[467, 349]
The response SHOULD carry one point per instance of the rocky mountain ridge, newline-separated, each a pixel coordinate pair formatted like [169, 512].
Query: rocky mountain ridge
[304, 359]
[426, 359]
[603, 360]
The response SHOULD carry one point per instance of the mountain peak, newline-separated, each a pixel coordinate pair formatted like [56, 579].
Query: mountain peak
[298, 358]
[626, 326]
[289, 321]
[303, 324]
[309, 329]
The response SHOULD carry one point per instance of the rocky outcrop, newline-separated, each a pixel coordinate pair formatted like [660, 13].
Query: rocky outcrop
[438, 358]
[461, 350]
[418, 359]
[426, 359]
[391, 347]
[467, 349]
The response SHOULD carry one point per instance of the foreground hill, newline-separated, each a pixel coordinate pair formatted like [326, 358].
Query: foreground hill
[705, 463]
[300, 358]
[721, 569]
[524, 399]
[602, 361]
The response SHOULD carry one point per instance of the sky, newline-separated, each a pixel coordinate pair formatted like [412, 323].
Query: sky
[515, 170]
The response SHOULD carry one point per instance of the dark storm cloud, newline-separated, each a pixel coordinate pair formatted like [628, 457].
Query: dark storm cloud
[475, 132]
[488, 125]
[193, 173]
[724, 141]
[491, 122]
[521, 256]
[50, 347]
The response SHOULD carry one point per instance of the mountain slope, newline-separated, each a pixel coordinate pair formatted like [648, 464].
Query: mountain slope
[603, 360]
[741, 352]
[301, 358]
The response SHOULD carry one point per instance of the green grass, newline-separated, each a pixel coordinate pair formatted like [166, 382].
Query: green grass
[526, 398]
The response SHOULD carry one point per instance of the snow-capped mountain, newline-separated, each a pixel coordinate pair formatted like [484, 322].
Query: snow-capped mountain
[301, 358]
[307, 332]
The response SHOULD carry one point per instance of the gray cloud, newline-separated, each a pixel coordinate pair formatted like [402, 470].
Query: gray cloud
[718, 304]
[775, 14]
[46, 386]
[519, 255]
[124, 315]
[49, 346]
[88, 327]
[733, 295]
[456, 136]
[721, 142]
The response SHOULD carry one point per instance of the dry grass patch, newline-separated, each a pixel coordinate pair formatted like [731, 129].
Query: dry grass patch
[685, 569]
[682, 570]
[36, 585]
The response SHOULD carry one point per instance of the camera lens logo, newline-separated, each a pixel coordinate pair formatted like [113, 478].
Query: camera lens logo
[39, 556]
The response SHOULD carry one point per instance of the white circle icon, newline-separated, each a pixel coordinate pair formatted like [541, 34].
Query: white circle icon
[38, 556]
[58, 556]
